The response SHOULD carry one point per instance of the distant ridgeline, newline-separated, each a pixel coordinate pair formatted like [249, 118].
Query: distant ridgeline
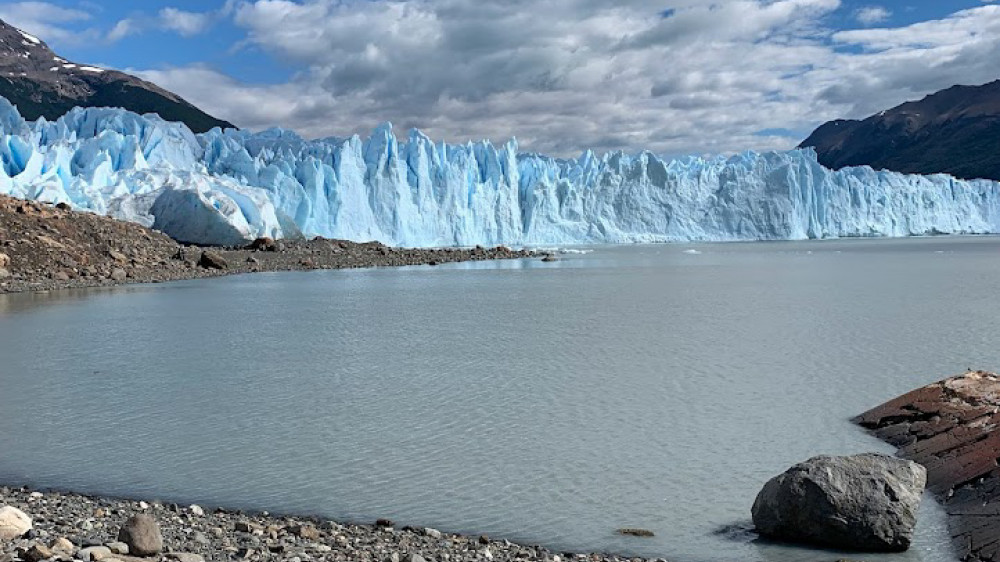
[955, 131]
[225, 187]
[43, 84]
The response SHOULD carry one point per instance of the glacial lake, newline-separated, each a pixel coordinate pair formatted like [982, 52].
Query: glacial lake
[650, 386]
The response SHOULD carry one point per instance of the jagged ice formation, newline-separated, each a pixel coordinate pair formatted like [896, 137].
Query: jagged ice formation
[226, 187]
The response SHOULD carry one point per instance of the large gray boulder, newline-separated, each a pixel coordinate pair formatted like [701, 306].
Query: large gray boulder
[864, 502]
[142, 535]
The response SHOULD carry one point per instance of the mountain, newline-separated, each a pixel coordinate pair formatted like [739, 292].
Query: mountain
[43, 84]
[226, 187]
[955, 131]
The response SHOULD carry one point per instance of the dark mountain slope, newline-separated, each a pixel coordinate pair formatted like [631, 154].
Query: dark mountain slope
[955, 131]
[41, 83]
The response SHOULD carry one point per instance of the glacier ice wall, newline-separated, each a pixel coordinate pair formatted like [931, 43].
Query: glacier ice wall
[229, 186]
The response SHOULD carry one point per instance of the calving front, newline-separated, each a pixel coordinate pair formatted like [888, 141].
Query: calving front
[225, 187]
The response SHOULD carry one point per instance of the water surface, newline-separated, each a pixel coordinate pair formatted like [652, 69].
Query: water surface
[640, 386]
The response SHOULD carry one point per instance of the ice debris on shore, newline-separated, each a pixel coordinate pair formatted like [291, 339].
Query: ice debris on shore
[226, 187]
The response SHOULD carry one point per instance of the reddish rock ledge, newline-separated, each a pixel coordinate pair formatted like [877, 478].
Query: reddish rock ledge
[952, 427]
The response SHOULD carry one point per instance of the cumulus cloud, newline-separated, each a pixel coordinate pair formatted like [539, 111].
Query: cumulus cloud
[870, 15]
[184, 23]
[47, 20]
[172, 19]
[688, 76]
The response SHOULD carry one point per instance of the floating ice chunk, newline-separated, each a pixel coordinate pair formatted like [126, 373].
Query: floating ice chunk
[691, 252]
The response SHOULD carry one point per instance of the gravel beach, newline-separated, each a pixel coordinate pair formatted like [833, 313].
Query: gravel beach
[67, 527]
[45, 247]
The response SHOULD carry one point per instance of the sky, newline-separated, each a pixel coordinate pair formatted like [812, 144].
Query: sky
[671, 76]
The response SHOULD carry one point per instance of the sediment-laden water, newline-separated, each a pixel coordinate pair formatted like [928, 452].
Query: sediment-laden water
[551, 403]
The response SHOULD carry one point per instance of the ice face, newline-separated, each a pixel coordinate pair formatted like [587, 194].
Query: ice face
[226, 187]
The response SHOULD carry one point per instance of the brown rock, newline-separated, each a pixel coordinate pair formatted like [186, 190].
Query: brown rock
[62, 544]
[635, 532]
[37, 553]
[265, 244]
[307, 532]
[185, 557]
[142, 535]
[4, 260]
[118, 274]
[953, 428]
[212, 260]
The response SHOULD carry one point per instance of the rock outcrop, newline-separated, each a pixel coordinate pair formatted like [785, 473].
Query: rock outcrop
[952, 427]
[863, 502]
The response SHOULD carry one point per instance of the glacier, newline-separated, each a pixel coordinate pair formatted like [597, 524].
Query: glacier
[228, 187]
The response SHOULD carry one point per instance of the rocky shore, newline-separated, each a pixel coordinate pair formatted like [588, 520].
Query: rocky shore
[951, 427]
[44, 247]
[66, 527]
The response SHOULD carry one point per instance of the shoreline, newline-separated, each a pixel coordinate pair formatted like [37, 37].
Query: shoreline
[48, 248]
[196, 534]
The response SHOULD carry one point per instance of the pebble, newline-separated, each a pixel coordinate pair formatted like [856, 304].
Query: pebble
[433, 533]
[94, 553]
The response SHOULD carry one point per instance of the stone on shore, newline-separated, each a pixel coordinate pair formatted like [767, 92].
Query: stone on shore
[37, 553]
[265, 244]
[212, 260]
[14, 523]
[94, 553]
[62, 544]
[185, 557]
[863, 502]
[142, 535]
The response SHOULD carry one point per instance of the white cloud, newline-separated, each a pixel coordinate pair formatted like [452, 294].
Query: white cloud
[692, 76]
[46, 20]
[123, 29]
[184, 23]
[179, 21]
[870, 15]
